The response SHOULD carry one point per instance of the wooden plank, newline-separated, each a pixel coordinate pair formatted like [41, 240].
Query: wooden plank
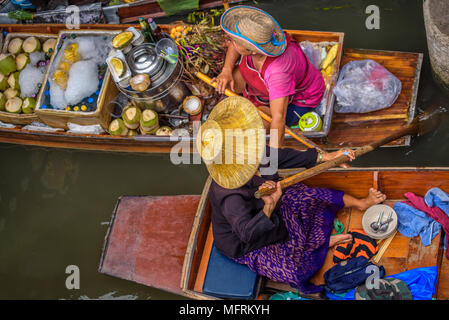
[199, 281]
[443, 281]
[398, 248]
[147, 239]
[279, 286]
[396, 184]
[393, 265]
[421, 256]
[151, 9]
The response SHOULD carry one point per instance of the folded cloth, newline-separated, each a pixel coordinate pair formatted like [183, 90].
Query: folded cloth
[438, 201]
[436, 197]
[413, 222]
[361, 245]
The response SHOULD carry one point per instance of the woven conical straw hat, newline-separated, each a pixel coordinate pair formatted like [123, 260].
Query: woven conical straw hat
[232, 142]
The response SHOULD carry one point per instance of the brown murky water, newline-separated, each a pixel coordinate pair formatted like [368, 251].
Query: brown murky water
[55, 205]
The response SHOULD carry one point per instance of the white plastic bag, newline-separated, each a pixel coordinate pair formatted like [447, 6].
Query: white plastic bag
[365, 86]
[39, 126]
[89, 129]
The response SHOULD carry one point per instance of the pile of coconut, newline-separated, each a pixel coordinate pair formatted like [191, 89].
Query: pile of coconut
[22, 71]
[135, 121]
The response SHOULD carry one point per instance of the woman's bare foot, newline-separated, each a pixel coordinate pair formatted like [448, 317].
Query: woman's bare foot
[374, 197]
[340, 238]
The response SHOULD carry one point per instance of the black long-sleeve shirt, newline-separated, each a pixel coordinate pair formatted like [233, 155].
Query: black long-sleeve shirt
[238, 222]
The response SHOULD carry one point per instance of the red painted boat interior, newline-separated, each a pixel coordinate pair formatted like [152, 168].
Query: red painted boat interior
[142, 247]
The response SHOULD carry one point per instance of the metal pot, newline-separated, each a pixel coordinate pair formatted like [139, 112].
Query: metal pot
[166, 91]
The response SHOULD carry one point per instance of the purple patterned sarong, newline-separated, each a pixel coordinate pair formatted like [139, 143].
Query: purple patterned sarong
[308, 214]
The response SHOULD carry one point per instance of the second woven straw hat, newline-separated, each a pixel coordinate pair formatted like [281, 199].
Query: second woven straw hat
[232, 142]
[255, 29]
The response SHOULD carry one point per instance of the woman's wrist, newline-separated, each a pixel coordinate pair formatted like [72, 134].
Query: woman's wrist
[268, 210]
[227, 70]
[320, 157]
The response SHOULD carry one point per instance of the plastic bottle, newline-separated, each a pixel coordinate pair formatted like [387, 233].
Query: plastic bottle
[155, 29]
[146, 30]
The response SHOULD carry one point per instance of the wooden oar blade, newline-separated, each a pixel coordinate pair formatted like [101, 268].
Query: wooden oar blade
[430, 120]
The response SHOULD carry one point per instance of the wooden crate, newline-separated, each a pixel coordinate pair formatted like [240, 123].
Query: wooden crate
[22, 118]
[60, 118]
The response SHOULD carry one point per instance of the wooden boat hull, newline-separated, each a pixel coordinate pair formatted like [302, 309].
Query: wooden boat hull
[435, 19]
[362, 129]
[137, 227]
[151, 9]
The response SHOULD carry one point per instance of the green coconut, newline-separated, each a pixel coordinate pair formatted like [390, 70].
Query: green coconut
[29, 104]
[49, 44]
[131, 116]
[152, 131]
[164, 131]
[31, 44]
[22, 60]
[2, 101]
[149, 118]
[13, 80]
[7, 64]
[11, 93]
[3, 82]
[15, 46]
[14, 105]
[117, 128]
[132, 132]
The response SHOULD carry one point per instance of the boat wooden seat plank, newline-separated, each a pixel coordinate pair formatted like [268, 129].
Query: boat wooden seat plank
[147, 239]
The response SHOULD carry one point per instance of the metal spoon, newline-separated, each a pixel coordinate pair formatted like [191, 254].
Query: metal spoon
[376, 225]
[384, 226]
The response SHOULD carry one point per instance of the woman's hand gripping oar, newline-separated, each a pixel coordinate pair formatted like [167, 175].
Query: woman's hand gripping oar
[420, 126]
[263, 115]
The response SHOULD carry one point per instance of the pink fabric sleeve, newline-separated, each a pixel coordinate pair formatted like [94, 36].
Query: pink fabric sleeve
[280, 78]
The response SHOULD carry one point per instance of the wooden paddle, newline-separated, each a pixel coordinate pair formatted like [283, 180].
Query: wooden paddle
[420, 126]
[263, 115]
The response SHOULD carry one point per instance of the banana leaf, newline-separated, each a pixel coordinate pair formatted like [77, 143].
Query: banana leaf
[171, 7]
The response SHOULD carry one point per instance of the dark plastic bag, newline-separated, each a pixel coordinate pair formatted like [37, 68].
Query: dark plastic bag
[365, 86]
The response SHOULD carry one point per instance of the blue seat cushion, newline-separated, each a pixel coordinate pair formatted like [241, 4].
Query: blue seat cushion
[226, 278]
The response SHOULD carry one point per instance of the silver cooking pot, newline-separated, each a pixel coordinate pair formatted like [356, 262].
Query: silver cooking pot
[166, 91]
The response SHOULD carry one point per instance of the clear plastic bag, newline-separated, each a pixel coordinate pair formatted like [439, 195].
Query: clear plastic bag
[365, 86]
[89, 129]
[313, 53]
[39, 126]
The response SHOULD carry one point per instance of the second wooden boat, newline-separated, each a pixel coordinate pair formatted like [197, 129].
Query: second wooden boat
[166, 242]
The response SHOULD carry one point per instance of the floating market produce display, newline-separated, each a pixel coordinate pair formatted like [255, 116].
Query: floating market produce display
[76, 74]
[149, 75]
[23, 65]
